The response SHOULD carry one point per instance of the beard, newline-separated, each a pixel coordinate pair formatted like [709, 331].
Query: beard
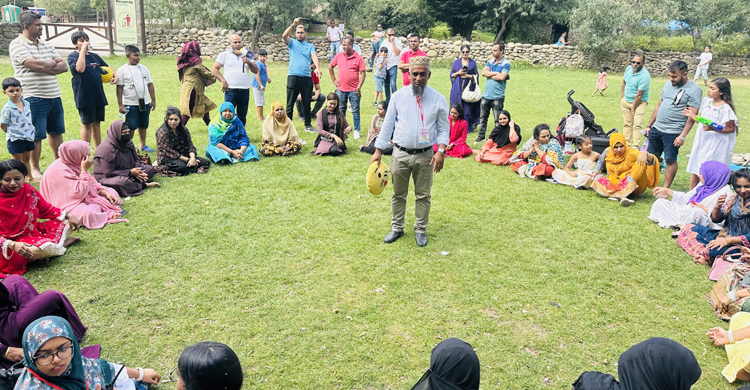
[417, 91]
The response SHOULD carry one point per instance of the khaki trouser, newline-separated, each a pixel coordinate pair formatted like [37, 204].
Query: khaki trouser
[404, 165]
[633, 123]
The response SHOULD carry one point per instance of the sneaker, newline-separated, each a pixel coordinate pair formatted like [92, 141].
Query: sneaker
[300, 117]
[479, 140]
[147, 149]
[369, 70]
[302, 142]
[375, 104]
[310, 129]
[356, 134]
[625, 202]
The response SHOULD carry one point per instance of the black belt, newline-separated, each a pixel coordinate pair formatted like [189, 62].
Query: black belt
[412, 151]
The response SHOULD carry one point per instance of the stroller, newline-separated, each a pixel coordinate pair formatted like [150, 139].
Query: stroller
[599, 138]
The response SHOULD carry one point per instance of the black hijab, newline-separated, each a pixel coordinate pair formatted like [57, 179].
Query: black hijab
[654, 364]
[453, 366]
[500, 135]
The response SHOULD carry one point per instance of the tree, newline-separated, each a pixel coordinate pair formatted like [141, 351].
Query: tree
[403, 17]
[505, 10]
[459, 15]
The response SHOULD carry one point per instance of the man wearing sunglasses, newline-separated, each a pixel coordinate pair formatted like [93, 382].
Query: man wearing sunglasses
[667, 129]
[636, 83]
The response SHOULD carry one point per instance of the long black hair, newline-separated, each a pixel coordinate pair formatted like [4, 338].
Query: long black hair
[12, 165]
[460, 109]
[538, 130]
[742, 173]
[384, 103]
[725, 88]
[210, 365]
[173, 111]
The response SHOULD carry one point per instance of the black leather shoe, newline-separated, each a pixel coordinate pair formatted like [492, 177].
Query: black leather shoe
[393, 236]
[421, 239]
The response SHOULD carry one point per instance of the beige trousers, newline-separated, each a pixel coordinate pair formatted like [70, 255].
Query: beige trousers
[633, 123]
[404, 166]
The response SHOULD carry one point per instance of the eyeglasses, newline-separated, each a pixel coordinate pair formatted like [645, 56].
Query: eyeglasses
[47, 358]
[391, 35]
[635, 62]
[172, 379]
[464, 51]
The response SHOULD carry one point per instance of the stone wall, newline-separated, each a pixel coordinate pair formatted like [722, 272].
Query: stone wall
[8, 32]
[657, 63]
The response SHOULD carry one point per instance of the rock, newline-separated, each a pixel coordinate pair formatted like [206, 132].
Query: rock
[432, 54]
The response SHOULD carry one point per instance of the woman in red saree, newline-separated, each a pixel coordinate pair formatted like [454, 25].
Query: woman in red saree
[23, 239]
[457, 146]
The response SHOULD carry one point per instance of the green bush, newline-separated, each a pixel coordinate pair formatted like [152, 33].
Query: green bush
[737, 45]
[650, 43]
[439, 31]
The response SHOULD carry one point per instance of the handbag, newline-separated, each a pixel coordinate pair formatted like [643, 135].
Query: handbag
[9, 376]
[472, 93]
[723, 295]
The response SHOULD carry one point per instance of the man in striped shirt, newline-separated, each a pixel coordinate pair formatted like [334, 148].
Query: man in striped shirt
[36, 64]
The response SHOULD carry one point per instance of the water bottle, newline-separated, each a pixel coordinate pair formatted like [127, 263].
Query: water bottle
[124, 114]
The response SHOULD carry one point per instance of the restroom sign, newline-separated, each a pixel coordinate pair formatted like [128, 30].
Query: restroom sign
[126, 26]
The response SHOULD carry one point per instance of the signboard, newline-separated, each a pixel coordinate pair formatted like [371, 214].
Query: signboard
[126, 28]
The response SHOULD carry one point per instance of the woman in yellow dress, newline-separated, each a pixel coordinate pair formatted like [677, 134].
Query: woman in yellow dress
[629, 172]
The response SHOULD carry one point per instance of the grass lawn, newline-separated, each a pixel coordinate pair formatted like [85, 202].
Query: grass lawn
[283, 260]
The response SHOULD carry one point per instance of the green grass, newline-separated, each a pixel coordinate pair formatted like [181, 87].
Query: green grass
[261, 255]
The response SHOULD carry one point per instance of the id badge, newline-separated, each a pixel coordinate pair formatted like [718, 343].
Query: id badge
[424, 135]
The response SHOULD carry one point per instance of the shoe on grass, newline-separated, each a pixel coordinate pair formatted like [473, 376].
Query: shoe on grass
[625, 202]
[479, 140]
[310, 129]
[356, 134]
[147, 149]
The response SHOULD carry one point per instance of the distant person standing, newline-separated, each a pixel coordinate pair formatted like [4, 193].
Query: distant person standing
[298, 79]
[334, 34]
[238, 70]
[36, 64]
[394, 46]
[701, 72]
[259, 82]
[352, 76]
[636, 84]
[496, 71]
[669, 125]
[375, 38]
[136, 96]
[414, 51]
[562, 41]
[350, 34]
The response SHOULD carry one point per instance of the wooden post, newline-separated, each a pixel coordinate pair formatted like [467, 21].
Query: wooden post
[110, 34]
[143, 29]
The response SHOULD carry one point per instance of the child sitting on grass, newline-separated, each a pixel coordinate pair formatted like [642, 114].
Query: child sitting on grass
[584, 161]
[15, 120]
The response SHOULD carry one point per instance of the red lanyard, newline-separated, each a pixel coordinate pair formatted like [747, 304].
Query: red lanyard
[50, 384]
[421, 113]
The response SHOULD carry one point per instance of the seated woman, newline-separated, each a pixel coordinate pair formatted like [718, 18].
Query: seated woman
[207, 366]
[68, 185]
[502, 143]
[693, 206]
[117, 164]
[584, 161]
[630, 172]
[539, 156]
[23, 238]
[20, 305]
[333, 129]
[453, 365]
[176, 153]
[457, 146]
[704, 243]
[736, 342]
[656, 363]
[228, 140]
[54, 361]
[280, 136]
[375, 124]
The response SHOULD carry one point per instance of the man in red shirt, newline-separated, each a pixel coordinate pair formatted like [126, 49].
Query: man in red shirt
[414, 51]
[351, 78]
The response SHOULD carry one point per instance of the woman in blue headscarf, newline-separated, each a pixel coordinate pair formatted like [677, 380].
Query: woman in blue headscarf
[228, 140]
[53, 361]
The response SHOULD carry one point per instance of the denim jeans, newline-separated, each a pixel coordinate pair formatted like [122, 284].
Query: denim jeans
[354, 100]
[375, 47]
[484, 114]
[240, 98]
[390, 82]
[334, 48]
[47, 116]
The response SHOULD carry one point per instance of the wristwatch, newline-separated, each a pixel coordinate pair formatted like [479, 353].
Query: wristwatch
[683, 138]
[442, 151]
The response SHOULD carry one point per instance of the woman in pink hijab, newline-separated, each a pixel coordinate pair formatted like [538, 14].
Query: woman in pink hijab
[68, 185]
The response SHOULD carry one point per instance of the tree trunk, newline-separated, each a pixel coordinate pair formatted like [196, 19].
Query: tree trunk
[256, 33]
[466, 29]
[503, 25]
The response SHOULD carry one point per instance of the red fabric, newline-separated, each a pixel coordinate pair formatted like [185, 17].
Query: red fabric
[491, 154]
[542, 169]
[19, 213]
[315, 78]
[405, 57]
[517, 166]
[191, 56]
[459, 131]
[349, 68]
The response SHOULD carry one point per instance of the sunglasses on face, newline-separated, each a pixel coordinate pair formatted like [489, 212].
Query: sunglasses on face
[464, 51]
[635, 62]
[390, 35]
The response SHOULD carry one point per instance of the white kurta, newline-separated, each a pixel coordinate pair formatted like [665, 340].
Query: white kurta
[677, 212]
[710, 145]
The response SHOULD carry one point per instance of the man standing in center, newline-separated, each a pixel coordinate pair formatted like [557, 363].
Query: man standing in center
[351, 78]
[333, 34]
[496, 71]
[235, 83]
[417, 118]
[414, 51]
[636, 84]
[299, 78]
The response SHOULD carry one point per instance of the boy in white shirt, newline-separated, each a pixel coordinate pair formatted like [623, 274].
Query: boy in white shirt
[134, 81]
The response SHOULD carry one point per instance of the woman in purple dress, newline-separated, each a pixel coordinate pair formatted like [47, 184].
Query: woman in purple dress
[462, 71]
[20, 305]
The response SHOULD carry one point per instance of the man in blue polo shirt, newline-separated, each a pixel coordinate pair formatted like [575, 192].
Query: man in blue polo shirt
[668, 127]
[299, 79]
[496, 71]
[636, 84]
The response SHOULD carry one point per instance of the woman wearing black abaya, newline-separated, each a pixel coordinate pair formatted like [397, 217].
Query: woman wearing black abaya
[453, 366]
[654, 364]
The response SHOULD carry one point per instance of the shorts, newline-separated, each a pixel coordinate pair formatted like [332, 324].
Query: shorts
[92, 114]
[137, 119]
[379, 81]
[47, 116]
[659, 143]
[260, 97]
[20, 146]
[701, 73]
